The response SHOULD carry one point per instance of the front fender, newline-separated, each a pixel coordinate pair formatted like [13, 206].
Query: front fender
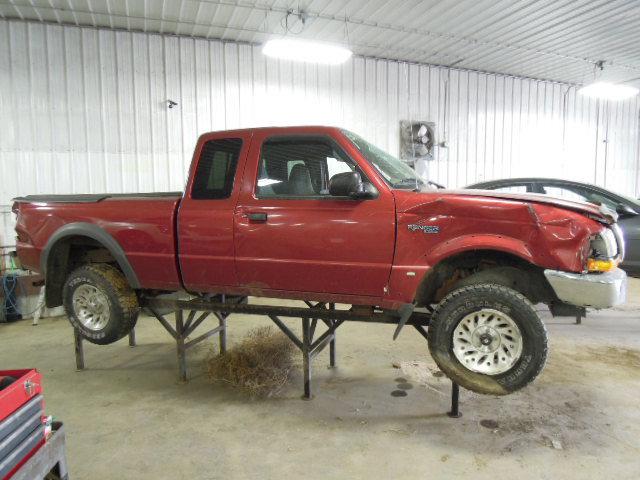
[467, 243]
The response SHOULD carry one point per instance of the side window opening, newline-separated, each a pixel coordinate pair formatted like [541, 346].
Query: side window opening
[335, 166]
[216, 169]
[512, 189]
[299, 167]
[599, 199]
[582, 195]
[565, 193]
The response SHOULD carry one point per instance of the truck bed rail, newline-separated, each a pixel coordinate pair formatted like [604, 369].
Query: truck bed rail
[93, 197]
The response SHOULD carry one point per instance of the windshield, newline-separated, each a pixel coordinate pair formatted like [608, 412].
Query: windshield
[395, 172]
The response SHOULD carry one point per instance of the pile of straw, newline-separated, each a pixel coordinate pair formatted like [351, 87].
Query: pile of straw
[260, 365]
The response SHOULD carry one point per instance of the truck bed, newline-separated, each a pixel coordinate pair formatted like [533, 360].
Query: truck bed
[142, 224]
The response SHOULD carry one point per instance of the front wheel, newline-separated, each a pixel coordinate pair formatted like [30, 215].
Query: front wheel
[488, 339]
[100, 303]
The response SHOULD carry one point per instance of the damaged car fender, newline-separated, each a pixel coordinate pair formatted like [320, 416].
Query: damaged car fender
[437, 229]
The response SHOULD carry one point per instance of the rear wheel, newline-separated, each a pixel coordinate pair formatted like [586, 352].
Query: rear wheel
[488, 339]
[100, 303]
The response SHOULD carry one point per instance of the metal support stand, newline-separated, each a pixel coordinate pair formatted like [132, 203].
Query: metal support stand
[78, 342]
[455, 401]
[307, 345]
[79, 348]
[222, 335]
[306, 357]
[184, 328]
[332, 343]
[221, 306]
[180, 333]
[581, 313]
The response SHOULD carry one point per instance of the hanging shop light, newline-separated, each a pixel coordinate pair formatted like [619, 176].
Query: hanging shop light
[608, 91]
[298, 50]
[306, 51]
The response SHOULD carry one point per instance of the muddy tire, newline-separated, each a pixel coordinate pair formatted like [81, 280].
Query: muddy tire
[488, 339]
[100, 303]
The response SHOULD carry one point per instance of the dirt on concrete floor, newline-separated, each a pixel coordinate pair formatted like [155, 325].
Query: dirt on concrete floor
[127, 416]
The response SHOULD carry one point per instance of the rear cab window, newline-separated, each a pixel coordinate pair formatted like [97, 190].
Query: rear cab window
[216, 170]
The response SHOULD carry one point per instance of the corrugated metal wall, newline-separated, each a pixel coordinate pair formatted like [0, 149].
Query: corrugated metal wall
[85, 110]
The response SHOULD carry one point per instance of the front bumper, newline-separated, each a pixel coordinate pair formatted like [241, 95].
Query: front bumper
[597, 290]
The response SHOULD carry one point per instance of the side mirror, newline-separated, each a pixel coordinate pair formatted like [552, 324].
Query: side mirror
[350, 184]
[625, 210]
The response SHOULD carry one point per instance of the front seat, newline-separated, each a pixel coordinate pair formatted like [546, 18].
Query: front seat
[300, 181]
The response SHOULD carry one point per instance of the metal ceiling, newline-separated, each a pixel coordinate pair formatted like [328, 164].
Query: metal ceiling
[550, 39]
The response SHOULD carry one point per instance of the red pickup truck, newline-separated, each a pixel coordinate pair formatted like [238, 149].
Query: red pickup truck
[318, 213]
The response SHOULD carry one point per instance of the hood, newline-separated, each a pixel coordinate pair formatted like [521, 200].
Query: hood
[600, 214]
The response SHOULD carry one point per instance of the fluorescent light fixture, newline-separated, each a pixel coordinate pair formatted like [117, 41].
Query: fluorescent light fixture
[608, 91]
[306, 51]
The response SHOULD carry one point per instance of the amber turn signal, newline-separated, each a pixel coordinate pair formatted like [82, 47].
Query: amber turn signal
[595, 265]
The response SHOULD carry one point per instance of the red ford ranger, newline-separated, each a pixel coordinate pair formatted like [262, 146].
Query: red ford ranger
[318, 213]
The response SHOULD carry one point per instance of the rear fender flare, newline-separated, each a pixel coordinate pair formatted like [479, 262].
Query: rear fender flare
[83, 229]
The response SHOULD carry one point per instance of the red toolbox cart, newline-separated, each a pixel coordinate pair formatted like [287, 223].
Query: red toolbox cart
[22, 430]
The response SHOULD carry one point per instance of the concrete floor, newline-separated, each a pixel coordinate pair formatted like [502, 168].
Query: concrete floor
[128, 417]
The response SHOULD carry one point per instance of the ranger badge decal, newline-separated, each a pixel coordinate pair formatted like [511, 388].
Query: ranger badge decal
[425, 228]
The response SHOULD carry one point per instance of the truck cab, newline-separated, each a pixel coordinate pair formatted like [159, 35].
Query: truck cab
[258, 214]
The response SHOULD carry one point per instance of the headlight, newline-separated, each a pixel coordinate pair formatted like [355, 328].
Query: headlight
[604, 252]
[604, 245]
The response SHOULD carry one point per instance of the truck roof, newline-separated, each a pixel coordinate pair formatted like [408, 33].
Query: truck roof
[302, 128]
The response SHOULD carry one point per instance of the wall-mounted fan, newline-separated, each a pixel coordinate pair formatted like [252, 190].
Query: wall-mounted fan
[416, 140]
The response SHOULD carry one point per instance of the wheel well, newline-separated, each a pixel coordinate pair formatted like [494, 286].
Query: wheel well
[65, 256]
[506, 269]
